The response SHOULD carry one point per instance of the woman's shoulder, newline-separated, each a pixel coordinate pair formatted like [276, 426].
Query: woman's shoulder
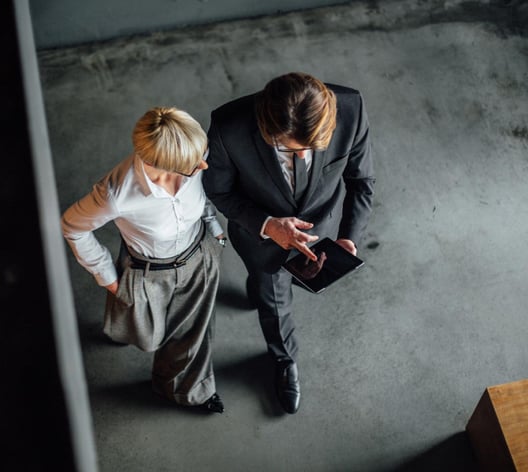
[118, 181]
[122, 171]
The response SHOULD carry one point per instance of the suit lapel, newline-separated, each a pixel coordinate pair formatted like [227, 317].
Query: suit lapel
[272, 165]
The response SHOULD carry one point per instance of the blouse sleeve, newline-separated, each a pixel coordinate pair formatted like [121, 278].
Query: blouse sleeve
[211, 220]
[78, 224]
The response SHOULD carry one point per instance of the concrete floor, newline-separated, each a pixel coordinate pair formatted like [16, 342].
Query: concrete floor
[395, 357]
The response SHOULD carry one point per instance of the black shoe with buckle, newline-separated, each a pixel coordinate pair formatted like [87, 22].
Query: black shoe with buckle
[287, 385]
[213, 404]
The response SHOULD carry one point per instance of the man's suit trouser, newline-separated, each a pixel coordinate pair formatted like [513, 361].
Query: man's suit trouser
[272, 294]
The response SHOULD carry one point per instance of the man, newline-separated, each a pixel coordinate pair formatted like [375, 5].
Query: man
[258, 144]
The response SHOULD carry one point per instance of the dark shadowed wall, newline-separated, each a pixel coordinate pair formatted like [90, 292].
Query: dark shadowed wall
[59, 23]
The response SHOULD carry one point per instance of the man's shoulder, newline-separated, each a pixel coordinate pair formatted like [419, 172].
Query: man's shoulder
[239, 106]
[349, 100]
[235, 118]
[345, 94]
[342, 89]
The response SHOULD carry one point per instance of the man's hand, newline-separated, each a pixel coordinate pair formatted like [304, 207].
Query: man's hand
[348, 245]
[286, 233]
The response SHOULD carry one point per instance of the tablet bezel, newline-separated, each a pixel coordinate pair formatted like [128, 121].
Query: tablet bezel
[324, 278]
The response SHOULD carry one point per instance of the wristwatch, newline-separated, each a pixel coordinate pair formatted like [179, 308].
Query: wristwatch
[223, 241]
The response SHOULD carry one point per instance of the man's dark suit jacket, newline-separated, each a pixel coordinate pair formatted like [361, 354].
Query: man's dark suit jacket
[246, 184]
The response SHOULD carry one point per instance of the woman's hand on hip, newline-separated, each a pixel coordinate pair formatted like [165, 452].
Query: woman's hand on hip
[112, 288]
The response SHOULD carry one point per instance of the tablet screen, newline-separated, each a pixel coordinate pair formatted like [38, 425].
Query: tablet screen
[333, 262]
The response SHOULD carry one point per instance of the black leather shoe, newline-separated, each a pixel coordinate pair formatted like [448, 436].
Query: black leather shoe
[214, 404]
[288, 387]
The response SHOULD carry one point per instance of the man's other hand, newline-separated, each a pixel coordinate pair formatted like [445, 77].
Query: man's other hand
[287, 233]
[348, 245]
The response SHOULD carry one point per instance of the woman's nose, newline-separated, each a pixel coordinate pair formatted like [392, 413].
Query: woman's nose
[301, 154]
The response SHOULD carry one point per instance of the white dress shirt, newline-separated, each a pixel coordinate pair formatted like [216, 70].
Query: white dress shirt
[150, 220]
[286, 164]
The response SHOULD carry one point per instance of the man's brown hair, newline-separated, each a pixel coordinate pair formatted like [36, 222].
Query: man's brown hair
[296, 106]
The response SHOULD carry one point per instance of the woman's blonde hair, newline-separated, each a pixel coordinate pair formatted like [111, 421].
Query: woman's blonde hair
[297, 106]
[169, 139]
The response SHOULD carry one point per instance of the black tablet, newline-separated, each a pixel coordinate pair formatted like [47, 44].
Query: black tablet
[333, 262]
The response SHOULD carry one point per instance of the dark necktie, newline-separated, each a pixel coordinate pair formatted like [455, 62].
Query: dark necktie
[301, 176]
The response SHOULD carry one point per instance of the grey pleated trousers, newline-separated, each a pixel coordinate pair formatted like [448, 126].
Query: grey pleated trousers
[171, 312]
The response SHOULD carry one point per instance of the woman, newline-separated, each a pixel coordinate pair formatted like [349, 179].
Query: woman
[162, 288]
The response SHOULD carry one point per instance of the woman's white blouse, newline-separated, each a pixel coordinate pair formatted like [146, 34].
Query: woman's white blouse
[150, 220]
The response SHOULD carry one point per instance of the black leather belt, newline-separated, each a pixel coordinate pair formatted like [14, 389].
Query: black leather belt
[179, 261]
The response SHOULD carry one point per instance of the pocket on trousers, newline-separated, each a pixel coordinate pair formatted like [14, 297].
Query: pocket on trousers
[133, 318]
[122, 295]
[213, 246]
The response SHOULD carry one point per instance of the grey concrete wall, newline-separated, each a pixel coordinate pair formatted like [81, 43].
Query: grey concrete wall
[59, 23]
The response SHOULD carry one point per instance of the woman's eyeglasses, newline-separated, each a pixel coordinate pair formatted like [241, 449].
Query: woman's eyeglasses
[196, 167]
[192, 173]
